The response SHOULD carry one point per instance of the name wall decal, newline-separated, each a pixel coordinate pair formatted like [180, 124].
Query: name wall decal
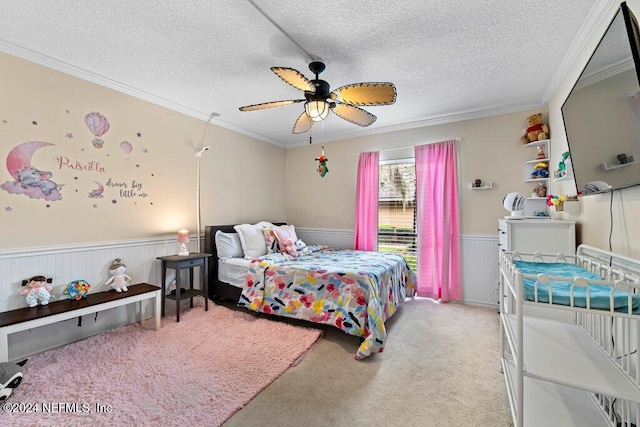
[78, 173]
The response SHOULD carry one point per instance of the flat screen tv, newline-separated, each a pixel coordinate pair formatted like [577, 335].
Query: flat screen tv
[602, 112]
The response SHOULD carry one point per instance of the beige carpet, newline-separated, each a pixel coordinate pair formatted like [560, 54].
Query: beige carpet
[440, 367]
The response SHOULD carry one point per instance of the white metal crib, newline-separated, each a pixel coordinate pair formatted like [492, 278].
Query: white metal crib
[579, 368]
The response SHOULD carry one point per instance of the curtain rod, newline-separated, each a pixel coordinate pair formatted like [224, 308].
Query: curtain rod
[458, 139]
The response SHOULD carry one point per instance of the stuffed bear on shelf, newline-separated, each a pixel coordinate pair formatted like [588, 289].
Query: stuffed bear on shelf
[540, 170]
[536, 130]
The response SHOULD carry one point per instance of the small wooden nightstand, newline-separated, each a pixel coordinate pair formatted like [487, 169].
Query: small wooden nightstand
[178, 263]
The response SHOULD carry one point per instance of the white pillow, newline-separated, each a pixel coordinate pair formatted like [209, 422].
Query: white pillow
[228, 245]
[252, 239]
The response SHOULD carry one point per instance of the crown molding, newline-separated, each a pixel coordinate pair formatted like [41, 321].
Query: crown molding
[431, 121]
[598, 13]
[66, 68]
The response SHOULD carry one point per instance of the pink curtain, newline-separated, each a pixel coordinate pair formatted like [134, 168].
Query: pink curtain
[439, 274]
[366, 222]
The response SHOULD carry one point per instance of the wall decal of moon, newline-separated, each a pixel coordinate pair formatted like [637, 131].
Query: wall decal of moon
[29, 180]
[21, 155]
[97, 193]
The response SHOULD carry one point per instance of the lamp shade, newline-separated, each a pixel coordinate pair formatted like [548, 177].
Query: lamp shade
[183, 236]
[317, 110]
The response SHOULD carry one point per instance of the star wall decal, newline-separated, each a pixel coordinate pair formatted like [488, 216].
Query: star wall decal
[8, 208]
[67, 111]
[95, 206]
[34, 123]
[137, 166]
[47, 206]
[145, 151]
[138, 134]
[114, 201]
[4, 121]
[69, 135]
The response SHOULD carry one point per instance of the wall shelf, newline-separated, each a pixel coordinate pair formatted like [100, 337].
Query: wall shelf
[485, 186]
[615, 164]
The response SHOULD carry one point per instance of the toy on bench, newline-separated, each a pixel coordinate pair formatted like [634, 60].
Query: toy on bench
[10, 377]
[118, 279]
[37, 290]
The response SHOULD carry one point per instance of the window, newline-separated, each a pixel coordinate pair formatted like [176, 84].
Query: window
[397, 209]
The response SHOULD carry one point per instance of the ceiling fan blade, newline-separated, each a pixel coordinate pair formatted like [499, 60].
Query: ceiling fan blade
[366, 93]
[270, 105]
[294, 78]
[303, 123]
[354, 114]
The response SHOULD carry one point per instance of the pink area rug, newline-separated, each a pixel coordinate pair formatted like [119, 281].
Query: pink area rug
[196, 372]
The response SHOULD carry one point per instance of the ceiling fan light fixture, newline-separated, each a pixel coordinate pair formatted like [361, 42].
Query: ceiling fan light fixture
[317, 110]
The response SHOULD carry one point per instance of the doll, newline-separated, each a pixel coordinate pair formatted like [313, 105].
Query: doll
[37, 290]
[118, 279]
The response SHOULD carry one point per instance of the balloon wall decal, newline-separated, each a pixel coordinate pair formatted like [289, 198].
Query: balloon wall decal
[98, 125]
[126, 148]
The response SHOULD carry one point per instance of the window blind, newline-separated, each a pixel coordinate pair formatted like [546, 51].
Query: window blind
[396, 210]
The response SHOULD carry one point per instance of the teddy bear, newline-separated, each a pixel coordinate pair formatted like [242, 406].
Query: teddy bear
[10, 377]
[37, 290]
[536, 130]
[540, 190]
[288, 246]
[540, 170]
[118, 279]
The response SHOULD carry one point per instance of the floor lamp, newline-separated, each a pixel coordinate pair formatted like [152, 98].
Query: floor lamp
[199, 152]
[198, 219]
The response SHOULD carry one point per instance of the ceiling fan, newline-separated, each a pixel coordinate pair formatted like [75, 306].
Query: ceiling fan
[319, 99]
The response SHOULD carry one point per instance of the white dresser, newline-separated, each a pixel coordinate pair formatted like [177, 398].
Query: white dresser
[537, 235]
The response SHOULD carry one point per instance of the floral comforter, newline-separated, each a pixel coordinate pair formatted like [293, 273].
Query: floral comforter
[355, 291]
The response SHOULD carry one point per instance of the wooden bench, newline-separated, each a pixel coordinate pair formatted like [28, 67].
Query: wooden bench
[31, 317]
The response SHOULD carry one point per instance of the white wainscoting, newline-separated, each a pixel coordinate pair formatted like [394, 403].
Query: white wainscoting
[337, 239]
[91, 263]
[88, 262]
[479, 255]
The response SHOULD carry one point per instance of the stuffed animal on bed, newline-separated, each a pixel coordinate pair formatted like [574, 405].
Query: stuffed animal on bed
[37, 290]
[10, 377]
[287, 239]
[289, 246]
[118, 279]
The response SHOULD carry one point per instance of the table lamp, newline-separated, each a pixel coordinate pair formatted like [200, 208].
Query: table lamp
[183, 237]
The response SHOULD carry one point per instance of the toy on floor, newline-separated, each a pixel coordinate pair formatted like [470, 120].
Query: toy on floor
[37, 290]
[10, 377]
[118, 279]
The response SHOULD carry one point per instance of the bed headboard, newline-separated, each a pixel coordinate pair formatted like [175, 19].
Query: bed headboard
[210, 248]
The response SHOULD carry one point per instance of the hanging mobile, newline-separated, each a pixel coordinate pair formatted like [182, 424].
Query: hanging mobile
[322, 164]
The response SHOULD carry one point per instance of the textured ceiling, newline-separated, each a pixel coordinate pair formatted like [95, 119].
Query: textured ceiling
[448, 59]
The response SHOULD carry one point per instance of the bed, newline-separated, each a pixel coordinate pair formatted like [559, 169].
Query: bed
[355, 291]
[570, 334]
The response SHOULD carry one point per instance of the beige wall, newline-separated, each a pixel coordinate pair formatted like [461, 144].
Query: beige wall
[490, 150]
[594, 220]
[162, 164]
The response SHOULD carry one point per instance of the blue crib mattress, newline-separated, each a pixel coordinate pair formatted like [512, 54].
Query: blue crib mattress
[599, 295]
